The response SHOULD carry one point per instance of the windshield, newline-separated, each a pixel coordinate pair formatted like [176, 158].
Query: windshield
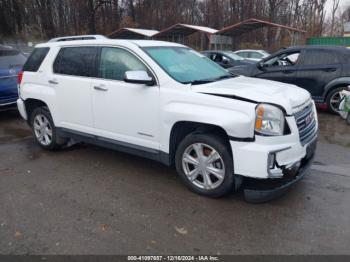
[233, 56]
[186, 65]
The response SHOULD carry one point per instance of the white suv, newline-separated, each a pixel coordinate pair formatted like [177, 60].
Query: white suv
[167, 102]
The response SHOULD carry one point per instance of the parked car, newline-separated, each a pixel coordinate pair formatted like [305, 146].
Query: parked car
[254, 55]
[11, 62]
[322, 70]
[226, 59]
[251, 54]
[166, 102]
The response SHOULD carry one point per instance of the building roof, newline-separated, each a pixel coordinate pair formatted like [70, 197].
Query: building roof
[132, 33]
[250, 25]
[184, 30]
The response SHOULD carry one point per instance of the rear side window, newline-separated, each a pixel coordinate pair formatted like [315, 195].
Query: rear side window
[255, 55]
[76, 61]
[320, 57]
[11, 59]
[35, 59]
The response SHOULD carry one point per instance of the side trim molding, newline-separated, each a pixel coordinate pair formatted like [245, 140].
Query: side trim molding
[121, 146]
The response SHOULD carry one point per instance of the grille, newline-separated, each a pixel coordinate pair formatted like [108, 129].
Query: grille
[306, 123]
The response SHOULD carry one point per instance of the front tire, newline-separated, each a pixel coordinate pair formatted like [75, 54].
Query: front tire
[205, 165]
[44, 129]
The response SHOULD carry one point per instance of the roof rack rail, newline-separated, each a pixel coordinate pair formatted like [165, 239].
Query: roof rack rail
[77, 37]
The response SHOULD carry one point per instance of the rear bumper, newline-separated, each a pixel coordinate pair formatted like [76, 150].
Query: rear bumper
[22, 108]
[259, 191]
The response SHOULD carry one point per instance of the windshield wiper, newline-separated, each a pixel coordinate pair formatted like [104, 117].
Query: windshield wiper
[206, 81]
[225, 77]
[198, 82]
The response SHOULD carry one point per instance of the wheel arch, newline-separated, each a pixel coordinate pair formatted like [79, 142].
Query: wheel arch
[336, 83]
[31, 104]
[181, 129]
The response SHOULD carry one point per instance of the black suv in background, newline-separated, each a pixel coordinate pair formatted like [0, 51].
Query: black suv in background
[322, 70]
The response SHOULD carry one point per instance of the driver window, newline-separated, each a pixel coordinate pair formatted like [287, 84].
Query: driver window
[286, 59]
[116, 61]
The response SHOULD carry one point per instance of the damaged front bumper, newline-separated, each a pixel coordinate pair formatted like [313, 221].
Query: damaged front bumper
[263, 190]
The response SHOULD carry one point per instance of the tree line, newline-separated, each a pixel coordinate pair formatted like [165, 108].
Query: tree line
[44, 19]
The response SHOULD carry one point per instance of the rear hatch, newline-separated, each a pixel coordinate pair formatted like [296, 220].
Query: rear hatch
[11, 62]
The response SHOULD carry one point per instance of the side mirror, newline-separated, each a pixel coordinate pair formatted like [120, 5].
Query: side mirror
[225, 62]
[138, 77]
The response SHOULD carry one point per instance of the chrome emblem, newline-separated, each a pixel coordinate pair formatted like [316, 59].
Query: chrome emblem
[12, 71]
[309, 119]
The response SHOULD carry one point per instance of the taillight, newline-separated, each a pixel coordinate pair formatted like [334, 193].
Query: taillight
[20, 76]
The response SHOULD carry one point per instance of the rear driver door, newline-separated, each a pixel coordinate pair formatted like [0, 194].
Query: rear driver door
[318, 67]
[71, 80]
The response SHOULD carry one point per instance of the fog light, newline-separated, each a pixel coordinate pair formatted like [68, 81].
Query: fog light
[271, 160]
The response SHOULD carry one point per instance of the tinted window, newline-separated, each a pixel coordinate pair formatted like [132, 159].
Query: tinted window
[320, 57]
[77, 61]
[115, 62]
[35, 59]
[11, 59]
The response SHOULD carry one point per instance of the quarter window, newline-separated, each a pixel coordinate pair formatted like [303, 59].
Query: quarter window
[116, 61]
[35, 59]
[77, 61]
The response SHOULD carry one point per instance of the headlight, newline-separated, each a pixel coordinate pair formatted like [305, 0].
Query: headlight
[269, 120]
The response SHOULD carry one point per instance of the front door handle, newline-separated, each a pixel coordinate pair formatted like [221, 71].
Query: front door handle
[53, 81]
[101, 88]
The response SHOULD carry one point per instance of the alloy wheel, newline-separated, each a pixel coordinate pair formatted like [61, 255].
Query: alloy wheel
[203, 166]
[335, 101]
[42, 129]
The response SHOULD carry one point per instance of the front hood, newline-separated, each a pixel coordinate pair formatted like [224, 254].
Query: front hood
[258, 90]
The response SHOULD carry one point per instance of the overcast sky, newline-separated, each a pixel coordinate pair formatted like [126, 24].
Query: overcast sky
[342, 5]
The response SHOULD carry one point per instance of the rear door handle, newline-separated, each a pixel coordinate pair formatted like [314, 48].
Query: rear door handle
[53, 81]
[101, 88]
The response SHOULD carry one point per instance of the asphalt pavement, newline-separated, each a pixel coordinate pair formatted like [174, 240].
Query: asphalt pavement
[91, 200]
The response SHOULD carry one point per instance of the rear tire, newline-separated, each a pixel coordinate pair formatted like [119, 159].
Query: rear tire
[333, 100]
[44, 129]
[205, 165]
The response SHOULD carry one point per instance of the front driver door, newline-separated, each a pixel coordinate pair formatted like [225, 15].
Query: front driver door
[123, 111]
[282, 68]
